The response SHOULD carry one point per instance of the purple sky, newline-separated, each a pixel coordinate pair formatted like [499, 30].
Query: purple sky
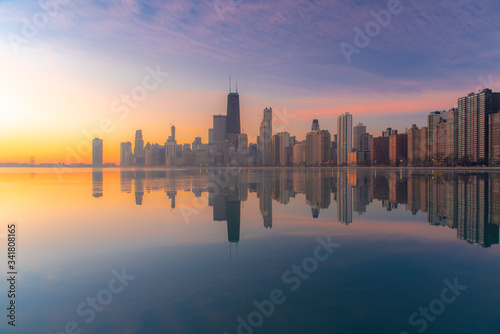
[285, 53]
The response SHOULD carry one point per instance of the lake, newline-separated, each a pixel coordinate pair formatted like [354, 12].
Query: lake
[253, 250]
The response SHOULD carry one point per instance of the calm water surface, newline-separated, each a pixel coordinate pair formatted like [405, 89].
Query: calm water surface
[253, 251]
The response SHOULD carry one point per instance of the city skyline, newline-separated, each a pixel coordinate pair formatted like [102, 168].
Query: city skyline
[64, 79]
[233, 107]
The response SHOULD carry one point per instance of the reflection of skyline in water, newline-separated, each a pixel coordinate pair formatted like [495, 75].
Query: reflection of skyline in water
[466, 202]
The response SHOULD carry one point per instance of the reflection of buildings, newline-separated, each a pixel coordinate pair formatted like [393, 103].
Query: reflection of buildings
[139, 186]
[344, 197]
[265, 202]
[318, 191]
[97, 182]
[467, 202]
[361, 192]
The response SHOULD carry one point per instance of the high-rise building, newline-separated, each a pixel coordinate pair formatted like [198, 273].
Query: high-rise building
[97, 152]
[398, 149]
[451, 152]
[242, 142]
[362, 144]
[357, 131]
[126, 158]
[473, 127]
[172, 132]
[196, 144]
[275, 150]
[318, 147]
[171, 148]
[417, 145]
[388, 132]
[379, 151]
[344, 133]
[210, 135]
[494, 144]
[139, 153]
[442, 138]
[233, 118]
[315, 125]
[284, 143]
[264, 140]
[147, 154]
[299, 153]
[433, 119]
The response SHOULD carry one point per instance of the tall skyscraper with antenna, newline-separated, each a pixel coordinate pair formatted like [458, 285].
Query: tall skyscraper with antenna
[233, 128]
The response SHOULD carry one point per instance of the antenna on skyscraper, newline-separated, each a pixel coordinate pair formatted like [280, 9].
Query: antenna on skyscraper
[229, 82]
[236, 84]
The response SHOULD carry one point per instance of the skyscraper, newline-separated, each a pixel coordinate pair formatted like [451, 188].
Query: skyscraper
[210, 135]
[219, 126]
[97, 152]
[494, 145]
[126, 158]
[315, 125]
[344, 133]
[233, 117]
[318, 147]
[139, 153]
[242, 142]
[473, 125]
[398, 149]
[275, 150]
[433, 119]
[265, 133]
[451, 154]
[357, 131]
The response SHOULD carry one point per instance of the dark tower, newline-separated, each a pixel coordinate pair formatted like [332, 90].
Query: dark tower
[233, 116]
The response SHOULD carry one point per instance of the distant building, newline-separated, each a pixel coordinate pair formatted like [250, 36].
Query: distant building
[147, 154]
[389, 132]
[451, 152]
[233, 128]
[380, 151]
[139, 154]
[344, 139]
[275, 150]
[473, 127]
[315, 125]
[264, 139]
[363, 145]
[126, 157]
[398, 149]
[97, 152]
[494, 144]
[357, 131]
[433, 120]
[417, 145]
[299, 153]
[318, 147]
[196, 144]
[210, 135]
[242, 142]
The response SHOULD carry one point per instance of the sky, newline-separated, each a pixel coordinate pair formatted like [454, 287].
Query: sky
[71, 70]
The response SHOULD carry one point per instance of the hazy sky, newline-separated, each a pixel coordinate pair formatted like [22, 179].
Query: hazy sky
[65, 66]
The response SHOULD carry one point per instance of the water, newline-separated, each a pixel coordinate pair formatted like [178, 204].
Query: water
[215, 251]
